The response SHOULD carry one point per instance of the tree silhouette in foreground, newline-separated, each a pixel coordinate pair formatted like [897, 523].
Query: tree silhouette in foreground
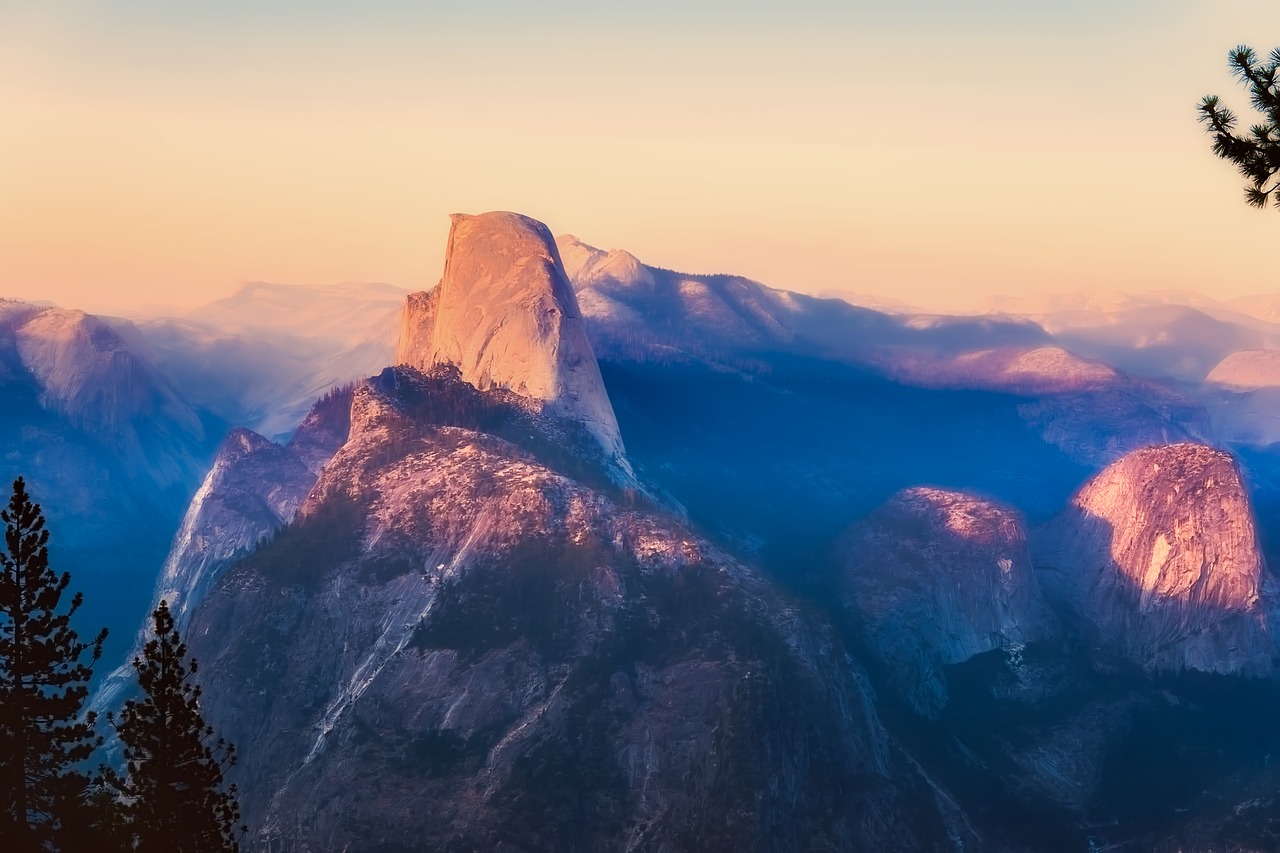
[43, 685]
[1256, 153]
[173, 785]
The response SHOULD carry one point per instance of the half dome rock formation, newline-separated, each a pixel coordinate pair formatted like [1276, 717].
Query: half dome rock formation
[1157, 559]
[936, 577]
[506, 316]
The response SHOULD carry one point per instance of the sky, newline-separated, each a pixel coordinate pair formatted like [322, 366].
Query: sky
[161, 152]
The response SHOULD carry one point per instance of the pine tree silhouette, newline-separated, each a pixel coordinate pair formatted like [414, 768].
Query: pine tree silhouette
[1256, 153]
[43, 685]
[172, 787]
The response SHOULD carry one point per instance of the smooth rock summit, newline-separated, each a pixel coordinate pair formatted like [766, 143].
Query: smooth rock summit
[505, 314]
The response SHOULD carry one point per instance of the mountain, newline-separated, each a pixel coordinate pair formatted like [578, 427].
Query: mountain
[103, 382]
[451, 621]
[628, 305]
[1262, 306]
[253, 489]
[1242, 396]
[473, 636]
[937, 577]
[1092, 411]
[507, 316]
[109, 447]
[1039, 370]
[1157, 559]
[260, 357]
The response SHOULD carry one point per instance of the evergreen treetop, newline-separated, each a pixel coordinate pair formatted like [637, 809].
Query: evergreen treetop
[173, 782]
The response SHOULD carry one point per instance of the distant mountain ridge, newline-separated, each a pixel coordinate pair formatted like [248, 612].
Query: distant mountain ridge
[110, 447]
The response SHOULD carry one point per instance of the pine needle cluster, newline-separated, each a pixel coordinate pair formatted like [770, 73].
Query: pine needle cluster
[1256, 153]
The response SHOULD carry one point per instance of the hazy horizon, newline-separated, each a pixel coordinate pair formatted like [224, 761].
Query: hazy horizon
[919, 154]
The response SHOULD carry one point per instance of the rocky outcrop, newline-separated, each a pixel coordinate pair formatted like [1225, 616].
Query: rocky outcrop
[507, 317]
[253, 488]
[450, 619]
[1157, 559]
[936, 577]
[416, 342]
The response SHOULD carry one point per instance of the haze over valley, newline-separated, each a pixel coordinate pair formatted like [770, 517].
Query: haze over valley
[639, 427]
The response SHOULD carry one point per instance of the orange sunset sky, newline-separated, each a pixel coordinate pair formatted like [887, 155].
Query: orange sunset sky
[161, 153]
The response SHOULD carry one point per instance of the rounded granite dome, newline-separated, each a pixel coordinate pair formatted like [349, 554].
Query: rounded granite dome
[1158, 558]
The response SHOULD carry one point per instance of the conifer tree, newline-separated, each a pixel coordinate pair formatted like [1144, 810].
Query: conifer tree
[1256, 153]
[173, 785]
[44, 681]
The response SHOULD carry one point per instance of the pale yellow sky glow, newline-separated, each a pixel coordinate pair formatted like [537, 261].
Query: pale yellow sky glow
[156, 156]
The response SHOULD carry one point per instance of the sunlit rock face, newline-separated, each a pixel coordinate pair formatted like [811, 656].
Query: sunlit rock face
[507, 317]
[418, 329]
[254, 487]
[936, 577]
[1157, 559]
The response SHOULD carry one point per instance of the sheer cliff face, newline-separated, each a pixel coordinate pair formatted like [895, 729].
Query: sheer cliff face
[936, 577]
[254, 487]
[456, 645]
[1157, 559]
[507, 317]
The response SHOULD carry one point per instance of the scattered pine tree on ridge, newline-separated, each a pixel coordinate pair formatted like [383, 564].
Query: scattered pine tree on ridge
[173, 785]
